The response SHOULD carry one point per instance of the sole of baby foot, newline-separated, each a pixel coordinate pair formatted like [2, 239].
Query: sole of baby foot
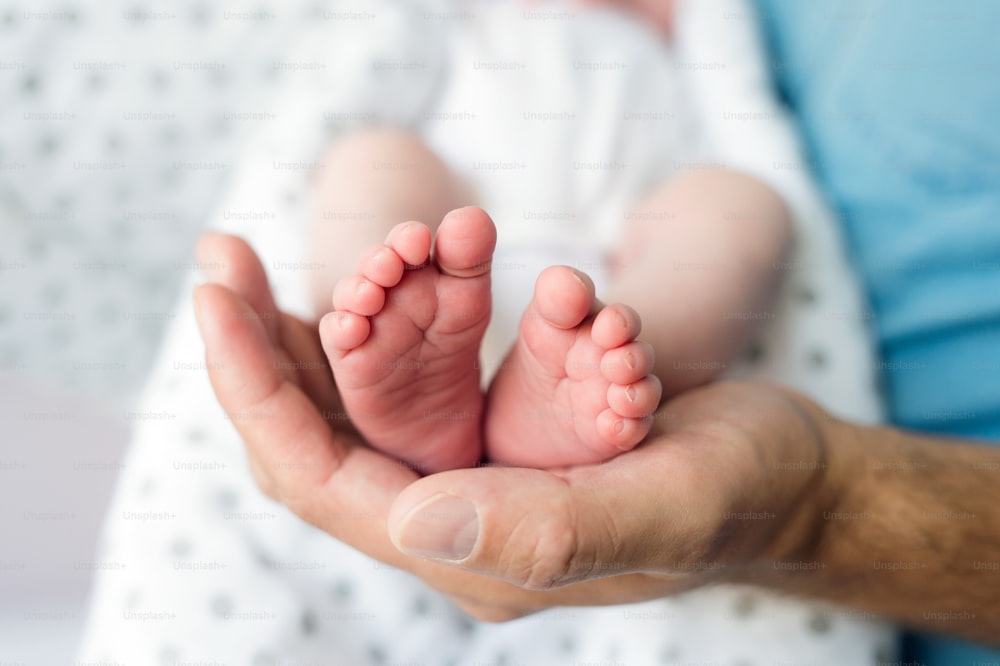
[577, 388]
[404, 338]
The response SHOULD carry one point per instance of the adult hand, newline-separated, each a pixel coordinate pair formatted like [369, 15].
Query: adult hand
[728, 476]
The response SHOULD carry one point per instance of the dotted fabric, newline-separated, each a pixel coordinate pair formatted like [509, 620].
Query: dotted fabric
[119, 128]
[214, 572]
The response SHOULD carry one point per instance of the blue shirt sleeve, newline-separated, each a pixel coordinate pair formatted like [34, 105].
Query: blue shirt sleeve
[899, 104]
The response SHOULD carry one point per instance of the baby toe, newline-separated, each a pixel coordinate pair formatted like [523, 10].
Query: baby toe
[465, 243]
[563, 296]
[359, 295]
[615, 325]
[412, 242]
[622, 433]
[383, 266]
[343, 331]
[628, 363]
[637, 399]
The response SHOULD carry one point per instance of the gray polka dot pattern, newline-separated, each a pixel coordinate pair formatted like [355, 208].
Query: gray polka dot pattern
[114, 145]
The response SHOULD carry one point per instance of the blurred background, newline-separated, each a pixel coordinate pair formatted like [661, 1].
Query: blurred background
[120, 124]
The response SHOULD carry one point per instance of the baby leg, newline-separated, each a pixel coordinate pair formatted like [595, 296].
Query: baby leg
[371, 181]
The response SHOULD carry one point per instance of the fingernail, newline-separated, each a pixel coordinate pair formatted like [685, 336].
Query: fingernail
[630, 393]
[630, 360]
[442, 527]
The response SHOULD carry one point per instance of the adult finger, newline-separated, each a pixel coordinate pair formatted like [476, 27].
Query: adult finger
[321, 474]
[281, 427]
[230, 261]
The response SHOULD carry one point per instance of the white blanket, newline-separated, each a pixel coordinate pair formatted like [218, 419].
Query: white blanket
[561, 125]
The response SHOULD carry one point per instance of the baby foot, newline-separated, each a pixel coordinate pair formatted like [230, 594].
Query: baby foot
[577, 387]
[404, 341]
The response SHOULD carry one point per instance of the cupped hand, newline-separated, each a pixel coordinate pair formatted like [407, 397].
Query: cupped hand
[731, 476]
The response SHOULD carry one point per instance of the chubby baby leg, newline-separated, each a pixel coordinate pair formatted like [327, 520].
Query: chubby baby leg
[370, 181]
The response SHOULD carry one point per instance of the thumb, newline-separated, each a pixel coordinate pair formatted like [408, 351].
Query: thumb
[528, 527]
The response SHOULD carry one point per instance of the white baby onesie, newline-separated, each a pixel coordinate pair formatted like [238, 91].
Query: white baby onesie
[218, 574]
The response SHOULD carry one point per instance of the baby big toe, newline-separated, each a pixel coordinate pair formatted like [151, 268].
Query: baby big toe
[465, 243]
[563, 296]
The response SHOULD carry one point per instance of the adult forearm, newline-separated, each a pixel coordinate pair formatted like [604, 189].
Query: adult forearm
[908, 528]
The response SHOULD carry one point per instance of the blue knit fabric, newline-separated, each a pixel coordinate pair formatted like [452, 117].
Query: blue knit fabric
[899, 104]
